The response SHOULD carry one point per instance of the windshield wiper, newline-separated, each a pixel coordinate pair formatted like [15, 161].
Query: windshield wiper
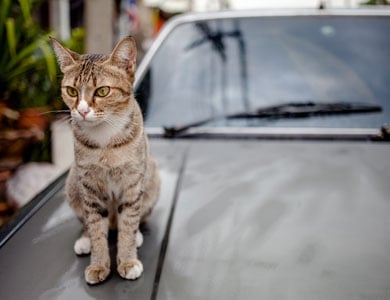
[284, 111]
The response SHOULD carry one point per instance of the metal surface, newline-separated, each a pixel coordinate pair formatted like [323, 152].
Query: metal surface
[274, 220]
[38, 261]
[10, 228]
[248, 219]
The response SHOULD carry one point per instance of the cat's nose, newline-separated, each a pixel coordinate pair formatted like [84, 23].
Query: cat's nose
[83, 108]
[84, 112]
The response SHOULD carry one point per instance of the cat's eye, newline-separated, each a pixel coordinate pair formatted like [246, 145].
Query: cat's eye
[102, 91]
[71, 91]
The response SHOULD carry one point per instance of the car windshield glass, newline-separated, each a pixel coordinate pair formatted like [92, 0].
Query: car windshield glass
[210, 68]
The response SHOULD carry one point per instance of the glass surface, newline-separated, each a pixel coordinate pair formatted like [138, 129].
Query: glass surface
[216, 67]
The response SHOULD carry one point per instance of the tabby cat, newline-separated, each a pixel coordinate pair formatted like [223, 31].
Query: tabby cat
[114, 182]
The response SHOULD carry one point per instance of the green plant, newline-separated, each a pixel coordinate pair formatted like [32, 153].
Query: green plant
[28, 71]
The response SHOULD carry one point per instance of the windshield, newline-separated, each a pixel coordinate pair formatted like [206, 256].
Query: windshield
[210, 68]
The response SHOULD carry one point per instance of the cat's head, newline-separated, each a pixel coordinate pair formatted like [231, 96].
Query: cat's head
[97, 88]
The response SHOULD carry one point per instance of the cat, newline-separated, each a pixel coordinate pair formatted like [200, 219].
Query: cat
[113, 182]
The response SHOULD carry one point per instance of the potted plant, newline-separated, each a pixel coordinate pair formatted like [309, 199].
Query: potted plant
[28, 70]
[29, 88]
[28, 75]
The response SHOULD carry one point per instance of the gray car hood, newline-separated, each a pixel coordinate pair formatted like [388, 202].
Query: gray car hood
[243, 219]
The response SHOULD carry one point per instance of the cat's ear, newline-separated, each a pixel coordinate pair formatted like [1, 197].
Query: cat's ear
[124, 55]
[65, 56]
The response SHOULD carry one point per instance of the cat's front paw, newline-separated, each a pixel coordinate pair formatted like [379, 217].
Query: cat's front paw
[139, 239]
[95, 274]
[82, 246]
[131, 269]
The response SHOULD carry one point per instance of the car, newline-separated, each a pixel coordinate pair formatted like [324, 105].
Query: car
[271, 133]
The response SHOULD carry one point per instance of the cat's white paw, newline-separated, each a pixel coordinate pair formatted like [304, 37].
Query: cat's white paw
[139, 239]
[131, 270]
[135, 271]
[82, 246]
[95, 274]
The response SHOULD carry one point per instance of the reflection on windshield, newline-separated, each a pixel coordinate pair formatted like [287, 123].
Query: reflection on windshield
[217, 40]
[218, 67]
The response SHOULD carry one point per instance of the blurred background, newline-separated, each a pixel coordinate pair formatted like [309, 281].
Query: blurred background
[35, 139]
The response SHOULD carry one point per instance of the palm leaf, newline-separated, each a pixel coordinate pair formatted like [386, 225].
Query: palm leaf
[27, 51]
[49, 59]
[4, 12]
[25, 6]
[11, 36]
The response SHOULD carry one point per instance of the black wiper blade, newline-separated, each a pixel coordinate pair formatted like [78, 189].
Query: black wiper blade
[285, 111]
[308, 109]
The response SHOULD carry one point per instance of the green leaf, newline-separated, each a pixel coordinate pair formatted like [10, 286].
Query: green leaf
[11, 36]
[27, 51]
[49, 59]
[25, 6]
[27, 65]
[4, 11]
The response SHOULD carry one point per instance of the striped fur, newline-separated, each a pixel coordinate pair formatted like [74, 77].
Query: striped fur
[114, 182]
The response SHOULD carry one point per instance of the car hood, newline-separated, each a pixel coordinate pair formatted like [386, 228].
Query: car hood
[280, 220]
[236, 219]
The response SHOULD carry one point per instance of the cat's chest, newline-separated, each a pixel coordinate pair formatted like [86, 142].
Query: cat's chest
[109, 158]
[113, 161]
[106, 158]
[109, 170]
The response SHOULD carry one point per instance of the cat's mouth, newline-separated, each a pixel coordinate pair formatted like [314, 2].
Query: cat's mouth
[87, 119]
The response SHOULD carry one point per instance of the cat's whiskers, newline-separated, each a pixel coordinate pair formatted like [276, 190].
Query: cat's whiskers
[54, 111]
[62, 120]
[65, 120]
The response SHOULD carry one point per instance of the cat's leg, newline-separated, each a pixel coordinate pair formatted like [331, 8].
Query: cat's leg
[149, 196]
[151, 190]
[139, 239]
[82, 246]
[97, 224]
[129, 267]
